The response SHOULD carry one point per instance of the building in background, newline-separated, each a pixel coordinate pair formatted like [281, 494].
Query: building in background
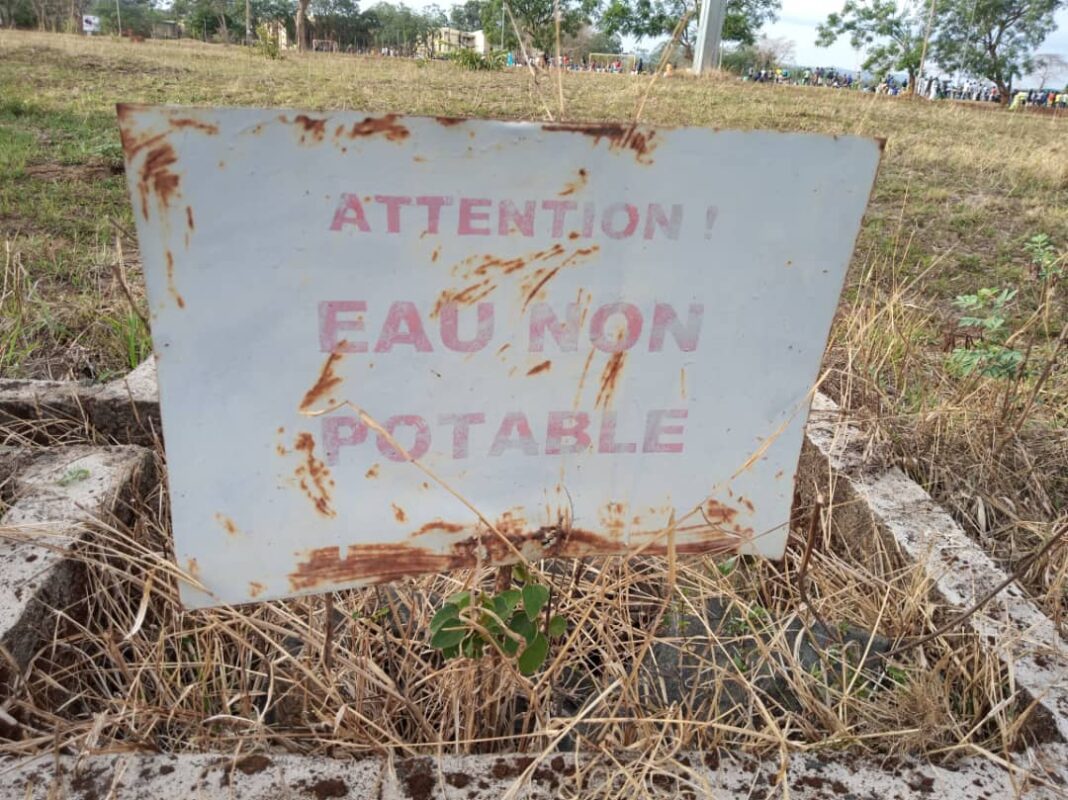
[166, 29]
[446, 41]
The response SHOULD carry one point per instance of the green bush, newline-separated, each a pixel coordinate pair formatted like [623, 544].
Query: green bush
[469, 59]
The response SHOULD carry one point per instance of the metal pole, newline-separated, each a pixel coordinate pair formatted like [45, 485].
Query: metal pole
[709, 31]
[118, 13]
[502, 24]
[926, 38]
[248, 24]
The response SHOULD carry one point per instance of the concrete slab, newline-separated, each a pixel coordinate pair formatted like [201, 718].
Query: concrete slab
[253, 776]
[126, 409]
[53, 499]
[262, 776]
[1015, 629]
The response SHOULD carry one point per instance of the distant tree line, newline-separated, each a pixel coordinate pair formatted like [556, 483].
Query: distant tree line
[991, 39]
[585, 25]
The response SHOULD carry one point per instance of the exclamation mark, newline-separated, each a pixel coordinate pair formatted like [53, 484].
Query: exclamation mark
[710, 220]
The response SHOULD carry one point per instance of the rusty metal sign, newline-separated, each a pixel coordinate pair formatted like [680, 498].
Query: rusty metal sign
[394, 345]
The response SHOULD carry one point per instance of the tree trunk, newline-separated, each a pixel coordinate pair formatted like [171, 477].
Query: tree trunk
[302, 25]
[1004, 92]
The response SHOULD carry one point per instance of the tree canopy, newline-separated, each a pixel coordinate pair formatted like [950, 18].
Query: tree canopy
[993, 39]
[891, 33]
[536, 20]
[641, 18]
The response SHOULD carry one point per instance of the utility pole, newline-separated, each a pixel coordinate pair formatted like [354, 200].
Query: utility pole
[709, 32]
[502, 24]
[118, 13]
[248, 24]
[926, 38]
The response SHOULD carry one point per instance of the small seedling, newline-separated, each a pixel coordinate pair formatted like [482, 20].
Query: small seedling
[1045, 263]
[74, 475]
[985, 312]
[507, 622]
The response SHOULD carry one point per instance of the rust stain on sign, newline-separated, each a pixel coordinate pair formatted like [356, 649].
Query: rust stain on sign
[328, 379]
[314, 476]
[196, 124]
[156, 177]
[481, 273]
[620, 137]
[172, 288]
[228, 524]
[378, 563]
[448, 122]
[315, 128]
[574, 186]
[189, 218]
[255, 588]
[381, 563]
[372, 472]
[544, 366]
[438, 526]
[398, 513]
[536, 282]
[610, 376]
[582, 376]
[386, 126]
[718, 513]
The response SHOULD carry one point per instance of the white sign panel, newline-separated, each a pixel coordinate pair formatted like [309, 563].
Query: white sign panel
[90, 24]
[394, 345]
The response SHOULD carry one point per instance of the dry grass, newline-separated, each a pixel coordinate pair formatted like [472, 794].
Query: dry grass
[142, 673]
[959, 192]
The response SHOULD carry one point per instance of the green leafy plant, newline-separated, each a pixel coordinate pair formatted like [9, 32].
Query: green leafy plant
[986, 354]
[266, 45]
[510, 622]
[469, 59]
[1045, 263]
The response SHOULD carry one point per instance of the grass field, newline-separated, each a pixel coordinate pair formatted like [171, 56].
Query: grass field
[961, 192]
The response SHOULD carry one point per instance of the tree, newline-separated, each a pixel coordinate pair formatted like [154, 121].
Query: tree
[993, 39]
[467, 16]
[137, 16]
[401, 28]
[496, 26]
[340, 21]
[741, 22]
[589, 40]
[536, 21]
[893, 34]
[1047, 64]
[16, 13]
[765, 54]
[302, 25]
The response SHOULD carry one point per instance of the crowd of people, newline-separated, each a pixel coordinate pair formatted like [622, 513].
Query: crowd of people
[931, 87]
[615, 65]
[820, 76]
[1040, 98]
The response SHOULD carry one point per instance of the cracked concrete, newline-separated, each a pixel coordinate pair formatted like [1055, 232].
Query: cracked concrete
[125, 410]
[265, 776]
[54, 496]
